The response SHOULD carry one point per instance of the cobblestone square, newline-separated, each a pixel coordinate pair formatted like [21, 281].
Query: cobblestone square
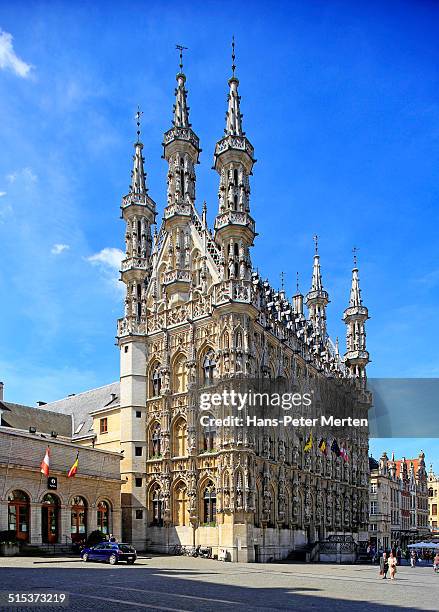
[186, 584]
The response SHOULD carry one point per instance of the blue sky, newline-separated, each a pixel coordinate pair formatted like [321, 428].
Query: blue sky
[340, 101]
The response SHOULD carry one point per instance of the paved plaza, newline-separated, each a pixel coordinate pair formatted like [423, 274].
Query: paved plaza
[184, 583]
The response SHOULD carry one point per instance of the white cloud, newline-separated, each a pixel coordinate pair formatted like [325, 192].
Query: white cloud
[26, 174]
[9, 60]
[2, 194]
[108, 257]
[57, 249]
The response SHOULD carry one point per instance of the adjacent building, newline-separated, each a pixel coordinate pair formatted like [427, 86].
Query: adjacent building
[398, 501]
[433, 501]
[54, 510]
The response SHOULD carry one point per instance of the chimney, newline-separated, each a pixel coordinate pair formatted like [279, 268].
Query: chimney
[2, 386]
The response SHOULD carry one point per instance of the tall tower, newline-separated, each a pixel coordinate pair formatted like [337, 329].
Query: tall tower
[138, 212]
[317, 298]
[355, 316]
[181, 150]
[233, 160]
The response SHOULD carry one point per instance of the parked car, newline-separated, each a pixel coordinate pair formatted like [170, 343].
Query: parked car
[111, 552]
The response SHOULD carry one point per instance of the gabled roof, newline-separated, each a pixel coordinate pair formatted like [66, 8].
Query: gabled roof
[407, 462]
[81, 405]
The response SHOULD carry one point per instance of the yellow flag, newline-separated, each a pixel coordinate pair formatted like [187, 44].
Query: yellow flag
[308, 443]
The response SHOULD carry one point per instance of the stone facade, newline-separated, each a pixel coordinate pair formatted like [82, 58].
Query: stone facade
[196, 314]
[79, 505]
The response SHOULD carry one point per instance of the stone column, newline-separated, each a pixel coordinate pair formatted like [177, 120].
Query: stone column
[92, 519]
[3, 515]
[35, 536]
[64, 522]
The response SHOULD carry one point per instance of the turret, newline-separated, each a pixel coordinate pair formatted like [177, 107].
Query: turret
[355, 316]
[233, 160]
[181, 150]
[317, 298]
[138, 212]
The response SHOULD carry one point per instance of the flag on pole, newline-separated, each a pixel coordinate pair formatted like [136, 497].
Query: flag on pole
[45, 464]
[335, 448]
[322, 446]
[74, 467]
[344, 453]
[308, 443]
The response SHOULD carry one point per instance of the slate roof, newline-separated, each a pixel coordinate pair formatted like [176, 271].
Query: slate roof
[22, 417]
[81, 405]
[373, 463]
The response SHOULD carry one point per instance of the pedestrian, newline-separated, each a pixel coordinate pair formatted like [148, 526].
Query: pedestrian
[112, 538]
[392, 566]
[399, 555]
[413, 558]
[384, 566]
[436, 563]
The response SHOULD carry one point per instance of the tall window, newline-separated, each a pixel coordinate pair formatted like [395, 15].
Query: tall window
[180, 438]
[18, 515]
[180, 505]
[209, 364]
[209, 504]
[103, 516]
[374, 507]
[156, 441]
[180, 374]
[182, 175]
[157, 507]
[434, 509]
[156, 381]
[78, 520]
[209, 433]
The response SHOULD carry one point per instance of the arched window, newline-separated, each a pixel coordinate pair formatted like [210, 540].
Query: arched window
[235, 177]
[156, 381]
[209, 504]
[156, 441]
[180, 505]
[209, 364]
[182, 175]
[156, 506]
[209, 434]
[18, 515]
[180, 374]
[180, 438]
[103, 516]
[50, 519]
[78, 521]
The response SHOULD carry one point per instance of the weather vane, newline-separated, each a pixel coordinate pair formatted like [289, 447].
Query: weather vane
[138, 117]
[355, 251]
[233, 55]
[316, 242]
[181, 48]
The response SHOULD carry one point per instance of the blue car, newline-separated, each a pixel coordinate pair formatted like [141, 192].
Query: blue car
[111, 552]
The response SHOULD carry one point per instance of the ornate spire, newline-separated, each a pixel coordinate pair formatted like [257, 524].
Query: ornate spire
[233, 160]
[181, 150]
[317, 298]
[355, 296]
[233, 115]
[138, 175]
[181, 109]
[355, 316]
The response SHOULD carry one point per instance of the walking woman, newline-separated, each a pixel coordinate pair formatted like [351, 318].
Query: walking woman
[392, 566]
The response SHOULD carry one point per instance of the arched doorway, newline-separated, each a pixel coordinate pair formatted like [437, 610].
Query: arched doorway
[78, 521]
[103, 517]
[50, 519]
[18, 515]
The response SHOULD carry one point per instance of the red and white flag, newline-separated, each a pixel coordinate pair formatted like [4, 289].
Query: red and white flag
[45, 464]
